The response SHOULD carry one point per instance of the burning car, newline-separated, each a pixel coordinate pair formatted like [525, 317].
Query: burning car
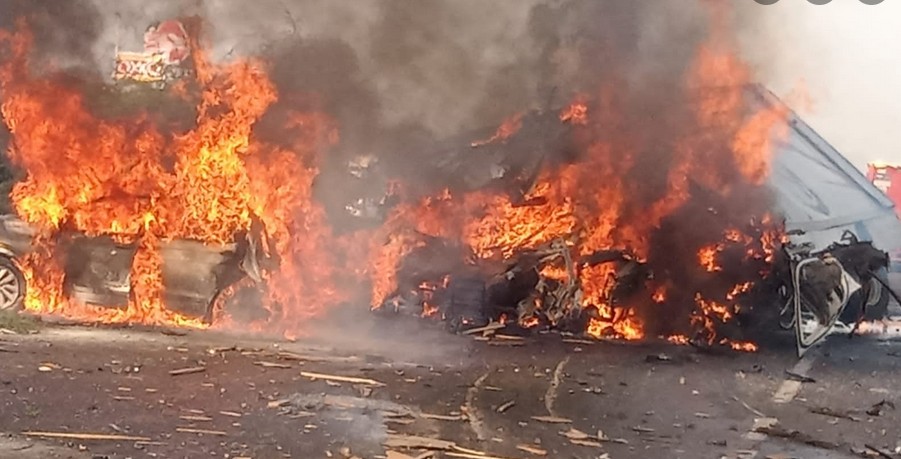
[98, 270]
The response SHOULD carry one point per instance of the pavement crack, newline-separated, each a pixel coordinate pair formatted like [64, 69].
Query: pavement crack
[550, 397]
[473, 415]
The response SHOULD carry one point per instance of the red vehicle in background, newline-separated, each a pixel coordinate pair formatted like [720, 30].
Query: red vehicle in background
[888, 179]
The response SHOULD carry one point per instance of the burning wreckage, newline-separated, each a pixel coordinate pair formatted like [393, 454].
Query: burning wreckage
[555, 219]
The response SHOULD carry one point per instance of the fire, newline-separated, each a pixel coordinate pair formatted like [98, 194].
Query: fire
[739, 289]
[742, 346]
[576, 113]
[610, 191]
[506, 130]
[707, 258]
[659, 295]
[129, 180]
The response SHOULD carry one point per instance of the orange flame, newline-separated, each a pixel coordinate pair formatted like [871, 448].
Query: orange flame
[507, 129]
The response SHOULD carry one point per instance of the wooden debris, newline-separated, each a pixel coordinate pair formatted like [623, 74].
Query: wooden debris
[187, 371]
[395, 455]
[85, 436]
[552, 419]
[578, 341]
[220, 350]
[826, 411]
[505, 406]
[748, 407]
[779, 432]
[879, 408]
[532, 450]
[575, 434]
[150, 443]
[217, 433]
[641, 429]
[471, 456]
[487, 328]
[550, 397]
[589, 443]
[509, 337]
[881, 452]
[265, 364]
[285, 355]
[442, 417]
[337, 378]
[231, 414]
[507, 343]
[174, 332]
[401, 421]
[799, 377]
[278, 403]
[196, 418]
[414, 442]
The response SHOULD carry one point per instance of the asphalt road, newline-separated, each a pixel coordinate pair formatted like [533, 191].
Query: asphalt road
[255, 398]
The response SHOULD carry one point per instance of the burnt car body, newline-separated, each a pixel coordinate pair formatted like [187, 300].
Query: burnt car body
[97, 269]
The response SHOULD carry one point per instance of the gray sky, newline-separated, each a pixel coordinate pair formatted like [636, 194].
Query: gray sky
[849, 56]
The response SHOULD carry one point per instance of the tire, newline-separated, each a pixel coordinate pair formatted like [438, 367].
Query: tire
[12, 285]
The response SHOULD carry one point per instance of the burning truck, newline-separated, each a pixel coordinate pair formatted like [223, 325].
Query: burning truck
[570, 218]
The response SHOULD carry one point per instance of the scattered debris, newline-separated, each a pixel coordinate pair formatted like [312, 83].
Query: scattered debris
[174, 332]
[84, 436]
[217, 433]
[551, 395]
[881, 452]
[641, 429]
[763, 423]
[486, 329]
[265, 364]
[748, 407]
[826, 411]
[195, 418]
[799, 377]
[532, 449]
[505, 406]
[471, 455]
[278, 403]
[552, 419]
[658, 358]
[588, 443]
[778, 431]
[417, 442]
[285, 355]
[476, 422]
[879, 408]
[575, 434]
[187, 371]
[337, 378]
[442, 417]
[395, 455]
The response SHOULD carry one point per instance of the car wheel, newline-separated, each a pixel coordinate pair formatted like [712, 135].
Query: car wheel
[12, 285]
